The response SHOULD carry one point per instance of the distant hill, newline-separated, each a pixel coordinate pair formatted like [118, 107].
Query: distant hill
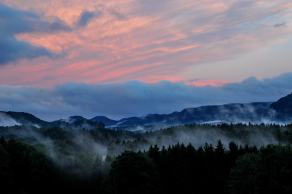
[9, 119]
[257, 112]
[77, 122]
[283, 107]
[230, 113]
[102, 119]
[20, 119]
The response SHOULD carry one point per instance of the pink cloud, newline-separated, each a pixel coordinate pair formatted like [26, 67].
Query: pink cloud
[204, 83]
[148, 46]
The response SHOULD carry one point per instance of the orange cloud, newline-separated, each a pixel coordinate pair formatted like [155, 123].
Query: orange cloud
[204, 83]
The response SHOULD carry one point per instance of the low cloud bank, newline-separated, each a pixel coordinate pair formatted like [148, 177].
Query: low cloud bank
[136, 98]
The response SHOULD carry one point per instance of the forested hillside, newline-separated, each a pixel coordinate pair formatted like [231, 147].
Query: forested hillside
[175, 169]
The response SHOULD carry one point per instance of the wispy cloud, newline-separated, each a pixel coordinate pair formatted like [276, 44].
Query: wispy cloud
[15, 21]
[85, 18]
[143, 40]
[280, 25]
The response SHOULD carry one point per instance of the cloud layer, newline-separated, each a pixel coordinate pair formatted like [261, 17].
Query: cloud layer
[136, 98]
[13, 22]
[85, 18]
[118, 41]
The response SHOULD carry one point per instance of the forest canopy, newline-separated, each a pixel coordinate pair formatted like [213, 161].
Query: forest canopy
[175, 169]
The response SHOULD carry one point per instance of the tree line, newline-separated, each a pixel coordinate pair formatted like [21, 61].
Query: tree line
[180, 169]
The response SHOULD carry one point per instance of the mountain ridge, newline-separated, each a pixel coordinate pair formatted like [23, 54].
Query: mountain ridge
[255, 112]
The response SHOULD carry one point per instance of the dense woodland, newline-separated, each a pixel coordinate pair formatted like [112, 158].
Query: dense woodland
[175, 169]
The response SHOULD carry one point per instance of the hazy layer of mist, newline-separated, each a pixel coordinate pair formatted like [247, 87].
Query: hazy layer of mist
[200, 137]
[83, 151]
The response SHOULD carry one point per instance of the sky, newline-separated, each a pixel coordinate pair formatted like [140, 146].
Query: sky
[133, 57]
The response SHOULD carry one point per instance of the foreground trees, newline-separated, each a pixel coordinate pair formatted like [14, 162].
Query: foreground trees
[23, 169]
[176, 169]
[184, 169]
[267, 171]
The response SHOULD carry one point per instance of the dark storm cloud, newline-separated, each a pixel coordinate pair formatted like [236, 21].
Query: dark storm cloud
[136, 98]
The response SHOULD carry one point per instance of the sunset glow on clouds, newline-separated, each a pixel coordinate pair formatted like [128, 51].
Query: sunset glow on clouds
[46, 44]
[117, 41]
